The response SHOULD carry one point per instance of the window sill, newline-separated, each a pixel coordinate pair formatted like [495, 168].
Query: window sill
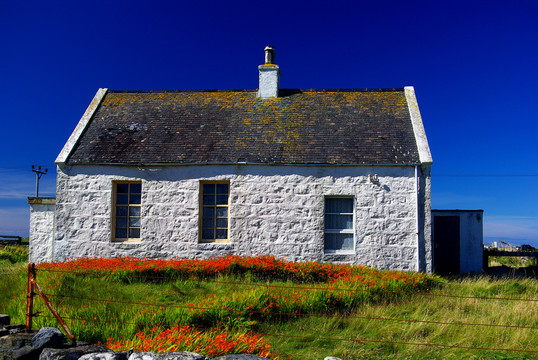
[126, 241]
[339, 252]
[213, 245]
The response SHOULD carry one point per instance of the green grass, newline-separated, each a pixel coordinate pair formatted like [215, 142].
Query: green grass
[12, 254]
[301, 337]
[512, 261]
[427, 308]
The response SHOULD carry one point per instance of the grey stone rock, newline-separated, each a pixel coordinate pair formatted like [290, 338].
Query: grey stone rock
[73, 353]
[16, 341]
[101, 356]
[15, 329]
[332, 358]
[25, 353]
[123, 355]
[177, 355]
[240, 357]
[48, 337]
[4, 332]
[5, 319]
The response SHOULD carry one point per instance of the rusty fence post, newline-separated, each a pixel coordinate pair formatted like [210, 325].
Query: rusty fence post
[33, 285]
[30, 297]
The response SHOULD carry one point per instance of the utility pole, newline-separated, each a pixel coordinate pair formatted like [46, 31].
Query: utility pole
[38, 174]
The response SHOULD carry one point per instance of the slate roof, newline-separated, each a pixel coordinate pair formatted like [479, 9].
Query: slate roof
[329, 127]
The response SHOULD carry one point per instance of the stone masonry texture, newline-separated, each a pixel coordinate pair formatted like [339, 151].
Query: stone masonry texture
[273, 210]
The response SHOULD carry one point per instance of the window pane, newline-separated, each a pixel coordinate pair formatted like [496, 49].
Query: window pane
[207, 234]
[134, 210]
[338, 221]
[208, 222]
[121, 222]
[208, 199]
[223, 188]
[134, 222]
[222, 199]
[121, 233]
[222, 222]
[121, 210]
[222, 212]
[222, 233]
[208, 212]
[135, 199]
[136, 188]
[122, 199]
[209, 188]
[339, 205]
[338, 241]
[134, 233]
[122, 188]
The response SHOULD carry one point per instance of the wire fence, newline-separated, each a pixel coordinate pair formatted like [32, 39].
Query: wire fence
[289, 287]
[321, 287]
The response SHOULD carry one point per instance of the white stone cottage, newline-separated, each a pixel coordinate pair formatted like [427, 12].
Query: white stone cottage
[325, 175]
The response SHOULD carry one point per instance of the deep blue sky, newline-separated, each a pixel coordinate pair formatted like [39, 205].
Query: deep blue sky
[474, 66]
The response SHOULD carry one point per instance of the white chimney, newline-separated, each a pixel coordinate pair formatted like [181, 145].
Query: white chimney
[269, 75]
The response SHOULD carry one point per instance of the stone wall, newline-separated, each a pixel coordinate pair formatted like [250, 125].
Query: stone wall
[274, 210]
[41, 228]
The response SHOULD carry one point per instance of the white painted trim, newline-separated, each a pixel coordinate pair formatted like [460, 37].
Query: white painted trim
[417, 220]
[81, 126]
[418, 127]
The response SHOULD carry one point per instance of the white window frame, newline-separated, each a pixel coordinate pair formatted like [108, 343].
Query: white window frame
[339, 231]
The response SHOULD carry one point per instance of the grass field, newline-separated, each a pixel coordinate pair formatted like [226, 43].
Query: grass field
[284, 310]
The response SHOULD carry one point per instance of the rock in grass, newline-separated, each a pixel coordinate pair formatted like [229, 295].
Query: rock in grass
[240, 357]
[332, 358]
[102, 356]
[177, 355]
[47, 337]
[25, 353]
[73, 353]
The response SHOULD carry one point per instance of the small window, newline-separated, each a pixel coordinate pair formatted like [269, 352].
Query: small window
[339, 224]
[214, 211]
[126, 215]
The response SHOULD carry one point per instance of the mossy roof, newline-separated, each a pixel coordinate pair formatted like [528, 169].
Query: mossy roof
[324, 127]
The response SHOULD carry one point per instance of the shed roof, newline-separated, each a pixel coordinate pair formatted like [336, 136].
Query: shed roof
[318, 127]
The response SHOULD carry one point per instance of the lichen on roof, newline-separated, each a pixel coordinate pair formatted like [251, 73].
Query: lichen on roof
[301, 127]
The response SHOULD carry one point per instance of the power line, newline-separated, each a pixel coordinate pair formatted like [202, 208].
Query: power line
[484, 175]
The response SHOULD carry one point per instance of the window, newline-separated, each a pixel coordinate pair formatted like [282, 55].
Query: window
[214, 211]
[339, 229]
[126, 219]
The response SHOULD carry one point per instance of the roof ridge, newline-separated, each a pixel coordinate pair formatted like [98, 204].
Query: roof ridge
[294, 90]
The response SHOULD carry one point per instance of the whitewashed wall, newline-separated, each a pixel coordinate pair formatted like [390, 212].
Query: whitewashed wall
[41, 229]
[274, 210]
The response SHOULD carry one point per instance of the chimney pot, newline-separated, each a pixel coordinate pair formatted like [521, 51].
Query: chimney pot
[270, 54]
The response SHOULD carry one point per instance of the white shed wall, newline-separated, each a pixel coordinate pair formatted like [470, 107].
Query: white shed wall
[274, 210]
[41, 231]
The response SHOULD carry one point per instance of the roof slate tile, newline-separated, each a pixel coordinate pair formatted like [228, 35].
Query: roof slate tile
[329, 127]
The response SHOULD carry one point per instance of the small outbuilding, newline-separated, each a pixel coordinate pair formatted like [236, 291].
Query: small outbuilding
[457, 241]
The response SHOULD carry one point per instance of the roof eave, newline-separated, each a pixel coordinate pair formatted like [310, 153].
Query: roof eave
[425, 155]
[245, 164]
[81, 126]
